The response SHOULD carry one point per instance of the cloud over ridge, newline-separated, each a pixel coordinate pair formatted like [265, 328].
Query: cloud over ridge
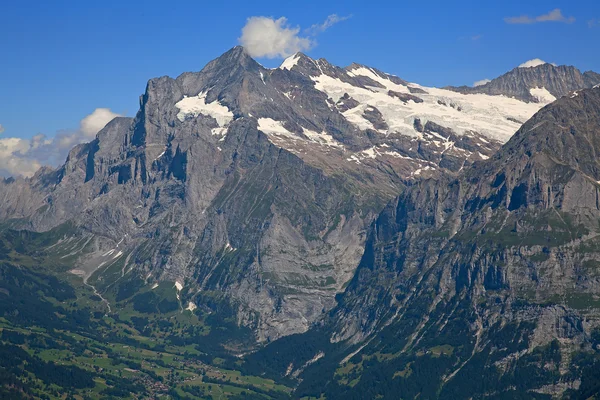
[275, 38]
[23, 157]
[272, 38]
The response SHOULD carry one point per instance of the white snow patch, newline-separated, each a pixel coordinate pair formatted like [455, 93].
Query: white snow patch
[385, 81]
[276, 129]
[374, 152]
[370, 153]
[270, 126]
[160, 155]
[197, 105]
[179, 286]
[262, 77]
[322, 138]
[354, 158]
[191, 306]
[219, 131]
[229, 247]
[463, 113]
[289, 62]
[154, 286]
[119, 254]
[542, 95]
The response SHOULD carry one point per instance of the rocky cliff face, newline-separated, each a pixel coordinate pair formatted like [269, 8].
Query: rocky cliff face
[480, 285]
[251, 186]
[536, 84]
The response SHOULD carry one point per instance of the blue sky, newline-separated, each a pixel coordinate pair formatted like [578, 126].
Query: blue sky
[62, 60]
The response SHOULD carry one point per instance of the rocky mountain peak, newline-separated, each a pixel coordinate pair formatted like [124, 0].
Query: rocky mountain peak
[234, 56]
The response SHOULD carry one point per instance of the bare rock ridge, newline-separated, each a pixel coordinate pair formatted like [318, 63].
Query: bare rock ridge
[254, 187]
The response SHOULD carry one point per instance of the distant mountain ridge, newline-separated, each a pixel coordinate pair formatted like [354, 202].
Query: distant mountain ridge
[525, 83]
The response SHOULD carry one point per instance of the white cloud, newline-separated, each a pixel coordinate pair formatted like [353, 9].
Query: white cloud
[534, 63]
[25, 156]
[271, 38]
[13, 160]
[275, 38]
[328, 23]
[555, 15]
[1, 129]
[481, 82]
[97, 120]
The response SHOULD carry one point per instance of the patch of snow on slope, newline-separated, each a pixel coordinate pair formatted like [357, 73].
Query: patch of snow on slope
[463, 113]
[289, 62]
[322, 138]
[228, 247]
[388, 84]
[197, 105]
[160, 155]
[542, 95]
[276, 128]
[191, 306]
[374, 152]
[373, 97]
[270, 126]
[179, 286]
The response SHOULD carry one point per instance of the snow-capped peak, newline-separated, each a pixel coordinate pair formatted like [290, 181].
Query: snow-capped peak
[289, 62]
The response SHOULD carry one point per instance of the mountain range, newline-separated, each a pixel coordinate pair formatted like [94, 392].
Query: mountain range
[371, 236]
